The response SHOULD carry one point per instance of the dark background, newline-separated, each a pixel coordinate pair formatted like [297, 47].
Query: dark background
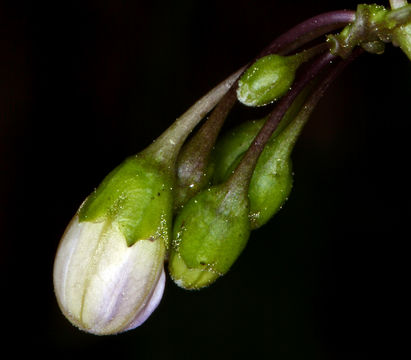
[83, 84]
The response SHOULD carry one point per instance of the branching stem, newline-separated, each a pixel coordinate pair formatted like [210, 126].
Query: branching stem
[193, 158]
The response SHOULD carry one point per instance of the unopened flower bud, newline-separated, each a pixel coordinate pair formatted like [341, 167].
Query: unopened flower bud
[231, 147]
[209, 234]
[108, 271]
[271, 181]
[102, 285]
[269, 78]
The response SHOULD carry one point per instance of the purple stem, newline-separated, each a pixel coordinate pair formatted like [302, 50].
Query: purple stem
[244, 170]
[318, 93]
[204, 139]
[309, 30]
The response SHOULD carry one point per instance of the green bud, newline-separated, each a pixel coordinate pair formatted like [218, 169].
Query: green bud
[266, 80]
[137, 196]
[102, 285]
[230, 148]
[209, 234]
[271, 182]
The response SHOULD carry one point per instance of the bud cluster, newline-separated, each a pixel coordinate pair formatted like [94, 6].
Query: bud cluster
[196, 202]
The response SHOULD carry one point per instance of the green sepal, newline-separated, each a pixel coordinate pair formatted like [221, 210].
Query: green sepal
[189, 278]
[137, 197]
[266, 80]
[271, 182]
[232, 146]
[209, 234]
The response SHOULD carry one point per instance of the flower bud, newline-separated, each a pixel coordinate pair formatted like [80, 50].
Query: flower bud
[272, 179]
[231, 147]
[209, 234]
[271, 182]
[108, 271]
[102, 285]
[266, 80]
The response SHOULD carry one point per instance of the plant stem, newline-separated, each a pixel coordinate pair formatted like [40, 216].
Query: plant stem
[165, 149]
[309, 30]
[401, 15]
[194, 157]
[242, 174]
[395, 4]
[294, 129]
[191, 168]
[308, 54]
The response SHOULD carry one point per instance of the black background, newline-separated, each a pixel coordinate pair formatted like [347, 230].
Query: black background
[83, 84]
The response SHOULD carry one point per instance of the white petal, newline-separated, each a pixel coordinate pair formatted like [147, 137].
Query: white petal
[101, 284]
[152, 303]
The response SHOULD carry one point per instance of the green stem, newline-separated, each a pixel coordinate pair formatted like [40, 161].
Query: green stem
[399, 16]
[395, 4]
[293, 130]
[308, 54]
[165, 149]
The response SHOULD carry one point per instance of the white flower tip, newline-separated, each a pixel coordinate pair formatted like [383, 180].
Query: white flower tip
[102, 285]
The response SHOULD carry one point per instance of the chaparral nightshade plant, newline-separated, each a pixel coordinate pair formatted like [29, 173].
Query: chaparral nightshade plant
[195, 202]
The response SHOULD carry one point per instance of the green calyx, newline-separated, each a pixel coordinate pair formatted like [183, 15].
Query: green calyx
[272, 179]
[137, 197]
[209, 234]
[231, 147]
[189, 278]
[266, 80]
